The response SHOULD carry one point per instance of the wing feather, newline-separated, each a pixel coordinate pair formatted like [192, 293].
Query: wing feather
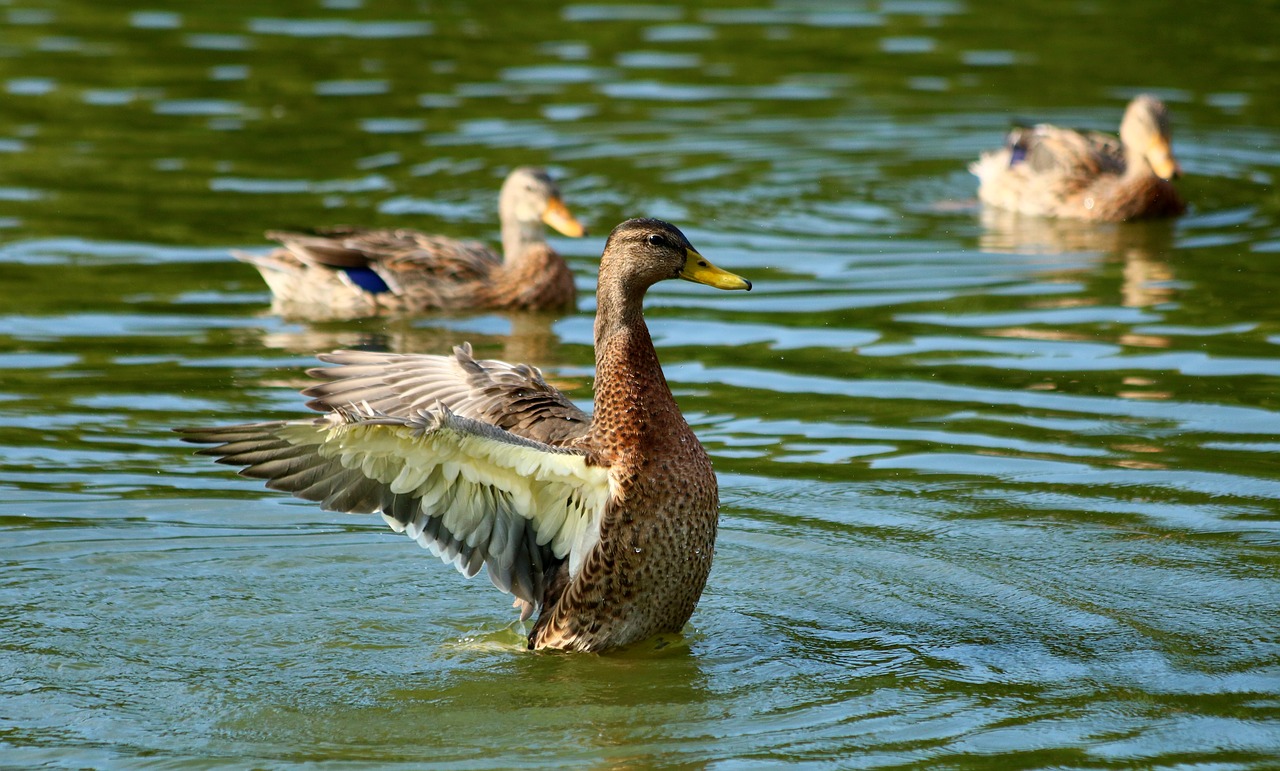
[473, 494]
[512, 397]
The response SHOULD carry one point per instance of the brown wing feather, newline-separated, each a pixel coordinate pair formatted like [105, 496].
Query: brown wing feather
[405, 249]
[326, 247]
[1074, 154]
[438, 271]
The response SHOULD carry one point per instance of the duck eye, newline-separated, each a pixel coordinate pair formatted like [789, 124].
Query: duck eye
[656, 240]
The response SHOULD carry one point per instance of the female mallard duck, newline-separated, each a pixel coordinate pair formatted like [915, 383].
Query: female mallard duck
[607, 523]
[1055, 172]
[352, 273]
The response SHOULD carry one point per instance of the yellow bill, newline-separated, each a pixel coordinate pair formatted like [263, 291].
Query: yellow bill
[557, 216]
[700, 271]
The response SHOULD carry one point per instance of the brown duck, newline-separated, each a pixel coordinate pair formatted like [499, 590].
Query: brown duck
[1055, 172]
[606, 523]
[343, 273]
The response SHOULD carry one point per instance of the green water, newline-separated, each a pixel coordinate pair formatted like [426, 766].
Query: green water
[997, 494]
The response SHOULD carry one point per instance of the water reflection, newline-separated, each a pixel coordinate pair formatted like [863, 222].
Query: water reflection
[1140, 248]
[1010, 232]
[581, 710]
[516, 337]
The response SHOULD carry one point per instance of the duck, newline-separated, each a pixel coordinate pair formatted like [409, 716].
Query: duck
[603, 523]
[1049, 171]
[347, 273]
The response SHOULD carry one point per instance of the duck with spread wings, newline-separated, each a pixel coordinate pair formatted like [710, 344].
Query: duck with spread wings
[605, 523]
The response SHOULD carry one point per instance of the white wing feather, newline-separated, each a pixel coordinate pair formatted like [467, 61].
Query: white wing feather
[467, 473]
[473, 494]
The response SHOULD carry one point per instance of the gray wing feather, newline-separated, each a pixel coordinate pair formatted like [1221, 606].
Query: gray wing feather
[511, 397]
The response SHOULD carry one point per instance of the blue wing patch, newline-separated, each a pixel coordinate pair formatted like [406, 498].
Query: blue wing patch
[367, 279]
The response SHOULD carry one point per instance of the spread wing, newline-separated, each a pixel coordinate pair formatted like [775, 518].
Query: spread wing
[473, 494]
[510, 396]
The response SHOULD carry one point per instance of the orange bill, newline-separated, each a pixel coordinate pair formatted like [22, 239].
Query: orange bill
[1160, 156]
[557, 216]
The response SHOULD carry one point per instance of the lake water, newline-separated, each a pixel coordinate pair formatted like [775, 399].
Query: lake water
[996, 493]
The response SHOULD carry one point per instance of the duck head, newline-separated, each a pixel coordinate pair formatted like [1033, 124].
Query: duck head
[642, 252]
[529, 198]
[1144, 131]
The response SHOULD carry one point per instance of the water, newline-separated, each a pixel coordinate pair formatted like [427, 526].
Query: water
[997, 493]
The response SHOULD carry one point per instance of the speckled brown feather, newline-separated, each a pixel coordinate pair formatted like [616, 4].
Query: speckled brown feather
[657, 537]
[539, 280]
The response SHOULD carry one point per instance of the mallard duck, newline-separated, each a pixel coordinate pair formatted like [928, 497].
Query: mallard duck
[606, 523]
[1055, 172]
[351, 273]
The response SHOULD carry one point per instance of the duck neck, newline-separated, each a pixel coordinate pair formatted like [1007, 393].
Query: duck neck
[1136, 165]
[633, 404]
[518, 236]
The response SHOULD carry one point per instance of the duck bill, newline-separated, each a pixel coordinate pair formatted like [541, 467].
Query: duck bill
[557, 216]
[1160, 156]
[700, 271]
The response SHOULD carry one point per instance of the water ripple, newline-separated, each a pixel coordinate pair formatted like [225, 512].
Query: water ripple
[336, 28]
[996, 491]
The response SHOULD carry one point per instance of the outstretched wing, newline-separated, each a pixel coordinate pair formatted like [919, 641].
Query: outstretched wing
[511, 396]
[473, 494]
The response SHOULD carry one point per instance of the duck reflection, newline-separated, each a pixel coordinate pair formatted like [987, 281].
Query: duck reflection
[1140, 247]
[1146, 280]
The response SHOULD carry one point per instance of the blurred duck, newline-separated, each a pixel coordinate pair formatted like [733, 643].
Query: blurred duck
[605, 522]
[342, 272]
[1055, 172]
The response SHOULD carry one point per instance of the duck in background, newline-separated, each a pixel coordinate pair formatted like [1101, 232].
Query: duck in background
[1055, 172]
[347, 273]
